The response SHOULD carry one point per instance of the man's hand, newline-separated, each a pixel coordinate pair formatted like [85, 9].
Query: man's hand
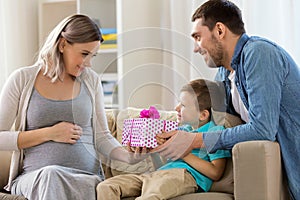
[177, 144]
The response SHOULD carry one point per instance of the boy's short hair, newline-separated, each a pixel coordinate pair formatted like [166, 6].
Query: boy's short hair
[209, 94]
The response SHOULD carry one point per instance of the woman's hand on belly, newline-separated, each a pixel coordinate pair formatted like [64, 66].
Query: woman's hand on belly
[65, 132]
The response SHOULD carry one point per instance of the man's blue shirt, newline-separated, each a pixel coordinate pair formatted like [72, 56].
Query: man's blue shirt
[268, 82]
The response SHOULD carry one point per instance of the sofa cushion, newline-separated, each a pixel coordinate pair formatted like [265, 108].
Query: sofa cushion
[225, 119]
[205, 196]
[225, 184]
[111, 116]
[198, 196]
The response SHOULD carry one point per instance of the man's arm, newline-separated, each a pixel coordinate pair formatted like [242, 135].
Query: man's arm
[178, 144]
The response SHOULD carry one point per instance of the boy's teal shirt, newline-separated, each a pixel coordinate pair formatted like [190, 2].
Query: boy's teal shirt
[202, 181]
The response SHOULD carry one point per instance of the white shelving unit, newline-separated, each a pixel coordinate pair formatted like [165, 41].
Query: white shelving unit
[110, 89]
[104, 13]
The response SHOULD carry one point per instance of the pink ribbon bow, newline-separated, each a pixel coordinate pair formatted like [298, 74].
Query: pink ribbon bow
[151, 113]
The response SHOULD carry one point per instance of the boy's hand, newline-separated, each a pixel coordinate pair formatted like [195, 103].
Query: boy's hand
[160, 139]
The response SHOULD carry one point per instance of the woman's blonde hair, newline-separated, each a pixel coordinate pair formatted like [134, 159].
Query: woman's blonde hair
[76, 28]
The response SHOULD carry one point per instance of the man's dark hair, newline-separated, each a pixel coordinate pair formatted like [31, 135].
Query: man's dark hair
[223, 11]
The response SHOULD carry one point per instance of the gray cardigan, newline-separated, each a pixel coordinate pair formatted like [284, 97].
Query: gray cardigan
[14, 100]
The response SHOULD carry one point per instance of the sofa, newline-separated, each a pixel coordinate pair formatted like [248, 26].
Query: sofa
[253, 173]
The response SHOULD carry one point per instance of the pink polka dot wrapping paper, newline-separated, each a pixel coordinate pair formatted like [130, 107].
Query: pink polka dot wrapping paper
[142, 131]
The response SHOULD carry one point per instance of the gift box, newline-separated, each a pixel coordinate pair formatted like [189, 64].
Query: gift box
[141, 132]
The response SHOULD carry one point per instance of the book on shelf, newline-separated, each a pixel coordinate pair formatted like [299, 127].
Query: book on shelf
[108, 46]
[106, 31]
[110, 38]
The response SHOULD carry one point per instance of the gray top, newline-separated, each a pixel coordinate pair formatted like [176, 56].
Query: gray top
[43, 112]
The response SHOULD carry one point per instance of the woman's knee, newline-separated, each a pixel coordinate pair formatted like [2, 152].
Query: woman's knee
[49, 172]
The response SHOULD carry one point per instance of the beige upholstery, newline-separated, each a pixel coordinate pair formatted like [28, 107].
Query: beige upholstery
[225, 184]
[258, 162]
[4, 167]
[253, 173]
[5, 196]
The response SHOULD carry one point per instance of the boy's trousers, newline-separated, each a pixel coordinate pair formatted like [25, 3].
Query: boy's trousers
[161, 184]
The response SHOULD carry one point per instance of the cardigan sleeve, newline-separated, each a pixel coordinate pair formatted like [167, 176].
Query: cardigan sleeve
[104, 141]
[9, 105]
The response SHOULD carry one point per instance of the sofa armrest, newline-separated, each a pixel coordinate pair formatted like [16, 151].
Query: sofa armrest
[257, 170]
[5, 157]
[4, 196]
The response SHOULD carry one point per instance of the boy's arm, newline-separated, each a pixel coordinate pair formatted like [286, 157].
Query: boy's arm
[213, 170]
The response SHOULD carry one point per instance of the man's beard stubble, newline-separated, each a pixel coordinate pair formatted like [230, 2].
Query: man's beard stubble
[215, 55]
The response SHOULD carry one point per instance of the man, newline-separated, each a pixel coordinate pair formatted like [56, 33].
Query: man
[262, 85]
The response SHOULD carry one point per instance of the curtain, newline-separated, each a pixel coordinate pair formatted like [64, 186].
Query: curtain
[276, 20]
[18, 35]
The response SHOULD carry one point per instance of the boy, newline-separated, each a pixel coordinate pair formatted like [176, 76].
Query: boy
[195, 172]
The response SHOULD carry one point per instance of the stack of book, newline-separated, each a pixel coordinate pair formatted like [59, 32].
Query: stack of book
[110, 38]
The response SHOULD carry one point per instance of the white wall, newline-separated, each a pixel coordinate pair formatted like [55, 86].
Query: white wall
[155, 52]
[139, 53]
[18, 35]
[277, 20]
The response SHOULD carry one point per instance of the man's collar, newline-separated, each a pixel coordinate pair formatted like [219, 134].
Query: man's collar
[238, 49]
